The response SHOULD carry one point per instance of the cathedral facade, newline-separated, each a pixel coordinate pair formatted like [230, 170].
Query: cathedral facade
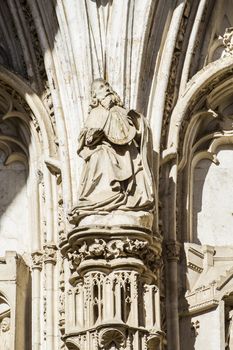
[116, 163]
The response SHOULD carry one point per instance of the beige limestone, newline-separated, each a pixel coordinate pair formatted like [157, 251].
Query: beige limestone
[171, 61]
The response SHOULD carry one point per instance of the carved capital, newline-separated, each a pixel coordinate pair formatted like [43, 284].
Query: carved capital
[37, 260]
[172, 250]
[113, 249]
[50, 253]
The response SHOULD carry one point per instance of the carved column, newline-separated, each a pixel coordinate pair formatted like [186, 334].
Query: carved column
[37, 261]
[50, 259]
[172, 252]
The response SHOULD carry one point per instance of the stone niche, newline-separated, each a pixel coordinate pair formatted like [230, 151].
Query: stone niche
[15, 305]
[212, 198]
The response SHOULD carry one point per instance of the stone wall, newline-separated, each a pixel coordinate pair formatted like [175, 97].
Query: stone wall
[171, 61]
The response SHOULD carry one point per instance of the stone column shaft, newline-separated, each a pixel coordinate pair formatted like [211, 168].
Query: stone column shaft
[36, 309]
[49, 307]
[37, 260]
[157, 308]
[134, 302]
[49, 263]
[172, 307]
[108, 302]
[118, 301]
[79, 307]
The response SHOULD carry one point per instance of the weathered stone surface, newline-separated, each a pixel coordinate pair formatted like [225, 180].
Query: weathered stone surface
[15, 307]
[119, 217]
[151, 266]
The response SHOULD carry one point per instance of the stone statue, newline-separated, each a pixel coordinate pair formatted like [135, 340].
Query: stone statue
[116, 147]
[5, 334]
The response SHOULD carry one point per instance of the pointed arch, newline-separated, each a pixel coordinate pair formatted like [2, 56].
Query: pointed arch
[197, 90]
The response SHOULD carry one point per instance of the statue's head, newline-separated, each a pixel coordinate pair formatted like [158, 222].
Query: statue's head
[100, 88]
[5, 325]
[102, 93]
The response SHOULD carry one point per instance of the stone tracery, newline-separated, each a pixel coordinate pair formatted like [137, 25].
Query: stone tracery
[175, 42]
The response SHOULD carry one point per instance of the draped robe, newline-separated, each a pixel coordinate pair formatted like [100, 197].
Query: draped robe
[115, 176]
[5, 340]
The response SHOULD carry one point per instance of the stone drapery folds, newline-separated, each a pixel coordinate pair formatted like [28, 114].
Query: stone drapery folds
[116, 147]
[114, 253]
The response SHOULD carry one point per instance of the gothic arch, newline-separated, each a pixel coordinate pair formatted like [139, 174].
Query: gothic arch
[194, 134]
[197, 133]
[34, 144]
[197, 89]
[28, 112]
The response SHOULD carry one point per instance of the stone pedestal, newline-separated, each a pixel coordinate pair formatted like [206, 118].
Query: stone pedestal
[113, 301]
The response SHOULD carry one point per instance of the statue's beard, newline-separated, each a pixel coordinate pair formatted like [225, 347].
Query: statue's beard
[108, 101]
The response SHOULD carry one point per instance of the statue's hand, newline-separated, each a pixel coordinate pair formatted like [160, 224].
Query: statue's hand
[93, 136]
[135, 119]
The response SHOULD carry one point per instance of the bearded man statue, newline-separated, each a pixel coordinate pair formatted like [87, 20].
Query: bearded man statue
[5, 336]
[117, 149]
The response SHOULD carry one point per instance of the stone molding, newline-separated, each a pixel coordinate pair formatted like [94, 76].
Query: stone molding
[194, 267]
[205, 81]
[203, 306]
[171, 93]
